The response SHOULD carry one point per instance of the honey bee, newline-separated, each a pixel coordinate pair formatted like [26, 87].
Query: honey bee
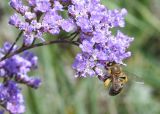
[115, 77]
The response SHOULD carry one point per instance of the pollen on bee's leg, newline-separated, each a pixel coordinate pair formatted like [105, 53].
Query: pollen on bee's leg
[107, 82]
[126, 80]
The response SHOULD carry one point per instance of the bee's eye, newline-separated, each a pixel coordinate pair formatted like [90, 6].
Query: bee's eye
[109, 64]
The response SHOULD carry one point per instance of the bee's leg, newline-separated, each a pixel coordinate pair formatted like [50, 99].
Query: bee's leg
[106, 79]
[103, 78]
[124, 78]
[107, 82]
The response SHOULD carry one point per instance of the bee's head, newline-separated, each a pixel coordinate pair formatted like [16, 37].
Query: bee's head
[109, 64]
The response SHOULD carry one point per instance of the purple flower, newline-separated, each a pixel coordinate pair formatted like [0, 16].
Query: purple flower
[116, 17]
[84, 65]
[98, 44]
[31, 2]
[29, 15]
[14, 71]
[1, 111]
[6, 48]
[11, 97]
[79, 63]
[52, 20]
[29, 81]
[28, 39]
[42, 5]
[90, 18]
[32, 58]
[87, 46]
[40, 16]
[14, 20]
[58, 6]
[18, 6]
[68, 25]
[34, 82]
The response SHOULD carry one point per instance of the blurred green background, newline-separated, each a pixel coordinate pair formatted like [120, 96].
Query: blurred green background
[61, 93]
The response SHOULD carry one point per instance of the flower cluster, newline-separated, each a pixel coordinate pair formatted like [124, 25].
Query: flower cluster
[39, 17]
[90, 18]
[98, 42]
[14, 71]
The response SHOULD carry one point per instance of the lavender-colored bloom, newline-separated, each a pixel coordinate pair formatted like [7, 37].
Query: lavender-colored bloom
[42, 5]
[79, 63]
[65, 1]
[58, 6]
[99, 45]
[50, 22]
[1, 111]
[90, 18]
[11, 97]
[40, 17]
[68, 25]
[2, 73]
[6, 48]
[31, 2]
[32, 58]
[14, 71]
[29, 81]
[28, 39]
[84, 65]
[84, 24]
[34, 82]
[116, 17]
[18, 6]
[87, 46]
[117, 47]
[14, 20]
[17, 64]
[29, 15]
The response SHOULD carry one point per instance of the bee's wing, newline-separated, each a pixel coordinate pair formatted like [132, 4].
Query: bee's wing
[134, 78]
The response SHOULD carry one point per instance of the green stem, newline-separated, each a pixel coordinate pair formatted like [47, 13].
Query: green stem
[38, 45]
[10, 50]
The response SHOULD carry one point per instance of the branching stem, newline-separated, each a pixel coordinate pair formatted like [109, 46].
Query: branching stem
[38, 45]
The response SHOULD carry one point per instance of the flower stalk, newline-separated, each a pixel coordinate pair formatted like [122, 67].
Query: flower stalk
[22, 49]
